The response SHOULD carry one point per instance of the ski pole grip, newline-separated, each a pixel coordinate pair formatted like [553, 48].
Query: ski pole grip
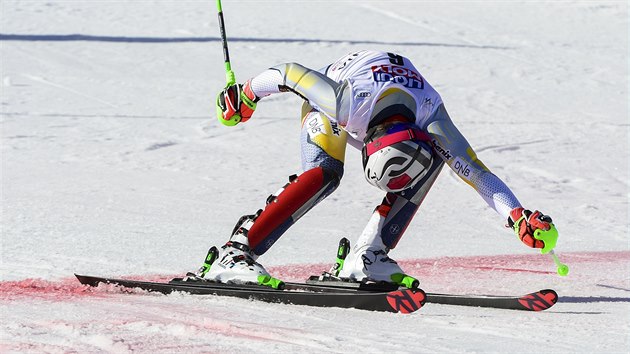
[229, 78]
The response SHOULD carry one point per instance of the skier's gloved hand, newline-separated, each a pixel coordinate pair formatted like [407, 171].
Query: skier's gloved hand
[535, 229]
[236, 103]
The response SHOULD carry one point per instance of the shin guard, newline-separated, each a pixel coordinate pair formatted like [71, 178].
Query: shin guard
[392, 217]
[289, 204]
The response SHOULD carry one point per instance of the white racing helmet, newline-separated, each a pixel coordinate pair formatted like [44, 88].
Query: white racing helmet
[396, 156]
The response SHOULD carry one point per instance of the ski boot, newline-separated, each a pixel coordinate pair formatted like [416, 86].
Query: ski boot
[234, 262]
[213, 254]
[369, 264]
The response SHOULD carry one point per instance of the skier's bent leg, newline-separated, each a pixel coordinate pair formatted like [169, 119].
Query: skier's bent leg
[323, 150]
[285, 207]
[254, 234]
[368, 259]
[323, 146]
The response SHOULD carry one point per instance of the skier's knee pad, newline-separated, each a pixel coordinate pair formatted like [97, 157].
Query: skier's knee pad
[290, 203]
[332, 166]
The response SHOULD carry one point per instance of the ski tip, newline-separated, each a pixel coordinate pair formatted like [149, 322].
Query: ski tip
[539, 301]
[87, 280]
[406, 300]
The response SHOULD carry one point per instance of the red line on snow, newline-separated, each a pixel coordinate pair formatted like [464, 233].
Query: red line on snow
[68, 289]
[60, 290]
[43, 289]
[528, 263]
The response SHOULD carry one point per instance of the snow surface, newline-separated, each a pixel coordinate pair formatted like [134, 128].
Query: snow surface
[113, 164]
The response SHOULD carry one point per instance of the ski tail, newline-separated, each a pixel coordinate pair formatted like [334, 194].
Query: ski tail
[406, 300]
[539, 301]
[536, 301]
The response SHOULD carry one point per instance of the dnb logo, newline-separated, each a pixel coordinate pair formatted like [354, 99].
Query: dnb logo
[397, 74]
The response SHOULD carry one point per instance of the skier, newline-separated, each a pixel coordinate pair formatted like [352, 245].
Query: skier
[377, 102]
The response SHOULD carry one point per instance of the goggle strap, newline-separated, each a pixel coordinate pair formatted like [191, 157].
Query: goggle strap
[391, 139]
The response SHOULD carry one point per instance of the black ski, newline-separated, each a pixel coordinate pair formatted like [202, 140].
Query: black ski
[334, 293]
[536, 301]
[398, 300]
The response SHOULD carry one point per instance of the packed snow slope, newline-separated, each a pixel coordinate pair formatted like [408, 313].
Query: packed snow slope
[113, 163]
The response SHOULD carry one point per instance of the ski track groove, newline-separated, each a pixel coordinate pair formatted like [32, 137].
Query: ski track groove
[68, 89]
[176, 321]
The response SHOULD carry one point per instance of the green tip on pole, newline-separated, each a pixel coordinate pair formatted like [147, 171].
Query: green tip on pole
[563, 269]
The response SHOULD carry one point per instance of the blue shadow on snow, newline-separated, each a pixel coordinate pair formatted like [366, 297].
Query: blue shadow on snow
[122, 39]
[586, 299]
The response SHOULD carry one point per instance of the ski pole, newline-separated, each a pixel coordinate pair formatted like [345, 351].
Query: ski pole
[563, 269]
[229, 74]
